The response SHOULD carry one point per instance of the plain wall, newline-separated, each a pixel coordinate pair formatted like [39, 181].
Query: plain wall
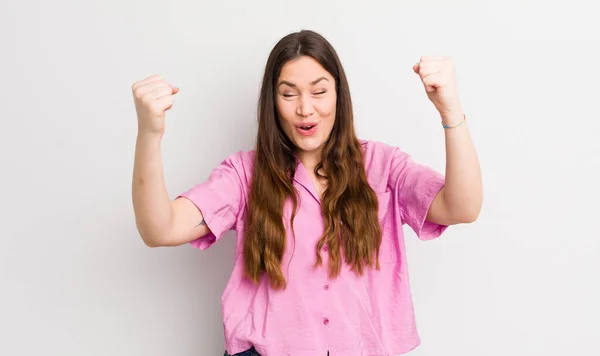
[76, 277]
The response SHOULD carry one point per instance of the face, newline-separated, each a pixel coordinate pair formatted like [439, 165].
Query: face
[306, 102]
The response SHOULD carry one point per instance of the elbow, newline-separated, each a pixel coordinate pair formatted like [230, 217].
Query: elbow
[469, 216]
[154, 242]
[464, 208]
[151, 243]
[152, 239]
[464, 212]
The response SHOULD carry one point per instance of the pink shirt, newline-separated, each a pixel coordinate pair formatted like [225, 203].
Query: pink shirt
[351, 315]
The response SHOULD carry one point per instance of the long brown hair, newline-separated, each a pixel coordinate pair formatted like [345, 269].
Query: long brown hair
[349, 204]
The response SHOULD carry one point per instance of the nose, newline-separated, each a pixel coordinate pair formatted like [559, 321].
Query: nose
[305, 107]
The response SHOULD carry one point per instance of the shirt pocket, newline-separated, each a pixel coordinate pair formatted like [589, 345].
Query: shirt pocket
[387, 250]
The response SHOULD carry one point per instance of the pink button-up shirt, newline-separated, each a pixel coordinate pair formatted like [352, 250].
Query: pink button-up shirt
[351, 315]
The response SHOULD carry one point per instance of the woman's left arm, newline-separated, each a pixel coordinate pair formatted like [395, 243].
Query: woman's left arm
[460, 200]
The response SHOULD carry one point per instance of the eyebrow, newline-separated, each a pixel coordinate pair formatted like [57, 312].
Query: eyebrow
[294, 85]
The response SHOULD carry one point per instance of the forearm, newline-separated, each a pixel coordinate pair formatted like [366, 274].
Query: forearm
[463, 193]
[151, 202]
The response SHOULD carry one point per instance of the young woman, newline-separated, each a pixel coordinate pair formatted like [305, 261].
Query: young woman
[320, 263]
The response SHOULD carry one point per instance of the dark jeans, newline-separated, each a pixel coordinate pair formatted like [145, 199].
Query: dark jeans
[249, 352]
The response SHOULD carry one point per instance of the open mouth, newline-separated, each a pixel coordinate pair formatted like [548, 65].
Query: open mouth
[307, 127]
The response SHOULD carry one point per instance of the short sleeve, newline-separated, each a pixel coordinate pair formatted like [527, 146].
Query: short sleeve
[219, 199]
[415, 186]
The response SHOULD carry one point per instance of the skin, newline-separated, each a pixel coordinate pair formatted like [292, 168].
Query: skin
[306, 94]
[160, 221]
[461, 198]
[300, 99]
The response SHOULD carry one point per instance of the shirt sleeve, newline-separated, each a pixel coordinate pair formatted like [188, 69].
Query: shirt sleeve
[219, 199]
[416, 186]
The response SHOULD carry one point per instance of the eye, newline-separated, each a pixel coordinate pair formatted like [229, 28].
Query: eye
[321, 92]
[287, 95]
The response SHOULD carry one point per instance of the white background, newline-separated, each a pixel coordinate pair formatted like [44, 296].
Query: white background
[77, 279]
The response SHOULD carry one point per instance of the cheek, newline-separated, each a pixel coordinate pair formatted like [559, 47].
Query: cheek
[286, 111]
[327, 108]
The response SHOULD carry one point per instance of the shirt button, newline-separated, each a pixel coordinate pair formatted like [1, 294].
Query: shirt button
[326, 287]
[326, 321]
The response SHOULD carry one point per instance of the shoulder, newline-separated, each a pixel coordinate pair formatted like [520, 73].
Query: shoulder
[378, 152]
[242, 158]
[240, 164]
[379, 157]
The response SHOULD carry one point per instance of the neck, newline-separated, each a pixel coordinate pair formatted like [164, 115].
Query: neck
[309, 160]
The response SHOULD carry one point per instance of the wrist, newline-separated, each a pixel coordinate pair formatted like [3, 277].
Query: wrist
[452, 118]
[149, 137]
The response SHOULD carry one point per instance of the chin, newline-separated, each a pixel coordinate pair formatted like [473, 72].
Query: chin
[309, 144]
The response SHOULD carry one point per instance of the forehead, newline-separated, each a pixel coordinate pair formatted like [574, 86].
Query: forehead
[303, 70]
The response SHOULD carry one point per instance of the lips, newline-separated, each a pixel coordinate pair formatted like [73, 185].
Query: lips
[307, 128]
[306, 125]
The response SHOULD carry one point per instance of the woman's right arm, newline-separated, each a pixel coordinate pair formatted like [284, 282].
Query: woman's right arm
[159, 220]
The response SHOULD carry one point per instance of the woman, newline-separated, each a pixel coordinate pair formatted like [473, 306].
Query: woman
[320, 261]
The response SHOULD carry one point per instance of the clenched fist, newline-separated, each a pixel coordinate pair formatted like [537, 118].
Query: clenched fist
[153, 96]
[437, 75]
